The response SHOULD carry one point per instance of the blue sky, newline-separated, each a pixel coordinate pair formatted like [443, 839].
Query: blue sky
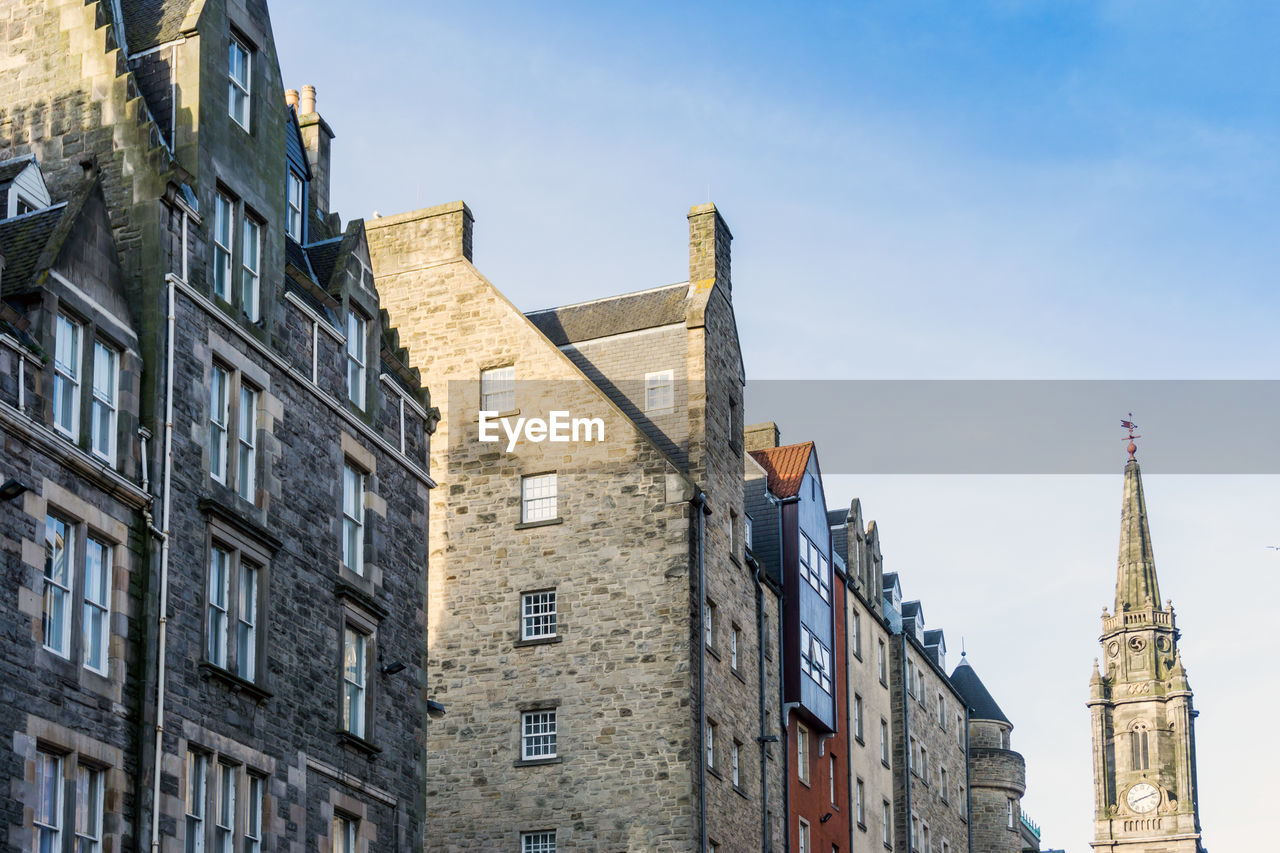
[916, 189]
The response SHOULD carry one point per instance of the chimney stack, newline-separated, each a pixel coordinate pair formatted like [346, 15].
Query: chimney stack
[291, 98]
[709, 240]
[316, 138]
[763, 436]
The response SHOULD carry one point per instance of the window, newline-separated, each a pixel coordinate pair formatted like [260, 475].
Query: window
[1138, 752]
[711, 745]
[247, 623]
[924, 838]
[747, 532]
[344, 833]
[224, 815]
[886, 824]
[88, 810]
[354, 664]
[47, 815]
[960, 800]
[860, 802]
[913, 761]
[736, 756]
[102, 437]
[857, 717]
[223, 220]
[219, 405]
[915, 833]
[946, 846]
[884, 741]
[353, 519]
[253, 814]
[250, 268]
[239, 68]
[355, 358]
[735, 637]
[498, 389]
[233, 605]
[247, 437]
[710, 623]
[815, 659]
[802, 753]
[1009, 813]
[538, 498]
[659, 391]
[942, 712]
[882, 662]
[911, 678]
[959, 730]
[924, 763]
[537, 735]
[538, 842]
[59, 576]
[803, 838]
[66, 376]
[831, 780]
[97, 605]
[815, 568]
[293, 203]
[538, 615]
[944, 784]
[856, 630]
[733, 533]
[217, 624]
[196, 765]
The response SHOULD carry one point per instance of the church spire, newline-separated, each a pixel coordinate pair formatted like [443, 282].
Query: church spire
[1136, 584]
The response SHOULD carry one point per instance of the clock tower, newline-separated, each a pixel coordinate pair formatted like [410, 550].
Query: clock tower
[1144, 746]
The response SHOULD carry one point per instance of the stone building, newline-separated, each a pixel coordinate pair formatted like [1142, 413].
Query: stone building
[931, 798]
[870, 711]
[594, 622]
[1140, 702]
[251, 521]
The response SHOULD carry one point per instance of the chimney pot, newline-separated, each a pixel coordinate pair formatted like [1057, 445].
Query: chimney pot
[307, 104]
[291, 98]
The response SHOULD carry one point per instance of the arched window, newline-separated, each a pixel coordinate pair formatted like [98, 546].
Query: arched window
[1138, 747]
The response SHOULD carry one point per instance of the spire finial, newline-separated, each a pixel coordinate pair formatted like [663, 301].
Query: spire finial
[1131, 426]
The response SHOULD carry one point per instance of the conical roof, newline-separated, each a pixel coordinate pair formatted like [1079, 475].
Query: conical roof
[981, 704]
[1136, 583]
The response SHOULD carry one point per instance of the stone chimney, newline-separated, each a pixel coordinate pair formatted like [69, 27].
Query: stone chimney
[709, 240]
[761, 436]
[291, 98]
[316, 138]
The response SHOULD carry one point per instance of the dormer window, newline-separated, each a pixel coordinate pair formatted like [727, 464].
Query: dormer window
[293, 200]
[239, 69]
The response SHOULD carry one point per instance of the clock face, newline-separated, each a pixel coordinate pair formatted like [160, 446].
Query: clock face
[1143, 797]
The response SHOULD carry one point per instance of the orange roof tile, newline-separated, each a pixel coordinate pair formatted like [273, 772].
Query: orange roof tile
[785, 467]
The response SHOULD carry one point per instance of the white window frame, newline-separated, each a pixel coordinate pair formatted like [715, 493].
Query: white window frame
[196, 783]
[248, 586]
[47, 816]
[353, 485]
[859, 728]
[540, 841]
[66, 375]
[355, 666]
[882, 663]
[106, 386]
[498, 389]
[96, 616]
[737, 766]
[58, 585]
[886, 820]
[539, 734]
[802, 837]
[710, 623]
[857, 633]
[816, 660]
[219, 415]
[802, 754]
[239, 85]
[346, 829]
[89, 798]
[831, 780]
[539, 498]
[885, 754]
[860, 801]
[748, 532]
[711, 744]
[218, 606]
[659, 391]
[735, 637]
[247, 443]
[1009, 809]
[224, 812]
[251, 267]
[357, 336]
[294, 204]
[254, 785]
[224, 220]
[538, 616]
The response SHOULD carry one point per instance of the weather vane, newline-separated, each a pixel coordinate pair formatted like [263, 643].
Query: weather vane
[1131, 426]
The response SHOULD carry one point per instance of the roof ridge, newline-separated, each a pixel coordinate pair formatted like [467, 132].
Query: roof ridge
[607, 298]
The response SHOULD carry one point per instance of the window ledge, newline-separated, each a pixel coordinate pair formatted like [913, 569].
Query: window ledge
[737, 673]
[886, 764]
[536, 762]
[538, 641]
[528, 525]
[859, 739]
[256, 691]
[733, 558]
[510, 413]
[712, 651]
[862, 826]
[358, 743]
[714, 772]
[737, 789]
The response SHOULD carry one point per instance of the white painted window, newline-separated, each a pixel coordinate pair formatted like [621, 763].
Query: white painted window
[344, 833]
[1009, 812]
[47, 815]
[831, 778]
[737, 769]
[815, 568]
[216, 620]
[538, 735]
[860, 801]
[247, 622]
[68, 335]
[250, 269]
[884, 740]
[942, 712]
[747, 533]
[102, 439]
[59, 577]
[538, 842]
[802, 839]
[247, 443]
[88, 809]
[97, 605]
[710, 623]
[538, 615]
[733, 533]
[219, 412]
[882, 663]
[886, 823]
[253, 814]
[711, 744]
[353, 519]
[354, 664]
[815, 659]
[356, 330]
[944, 783]
[197, 764]
[223, 221]
[659, 391]
[293, 201]
[498, 389]
[538, 498]
[857, 716]
[959, 730]
[734, 639]
[856, 630]
[224, 815]
[802, 753]
[239, 76]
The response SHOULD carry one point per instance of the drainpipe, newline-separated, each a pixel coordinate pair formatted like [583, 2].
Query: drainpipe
[906, 742]
[170, 285]
[968, 778]
[700, 505]
[848, 722]
[765, 737]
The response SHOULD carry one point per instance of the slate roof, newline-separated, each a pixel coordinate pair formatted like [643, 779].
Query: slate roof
[296, 255]
[323, 256]
[785, 467]
[10, 169]
[148, 23]
[933, 637]
[975, 693]
[890, 578]
[23, 239]
[839, 536]
[600, 318]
